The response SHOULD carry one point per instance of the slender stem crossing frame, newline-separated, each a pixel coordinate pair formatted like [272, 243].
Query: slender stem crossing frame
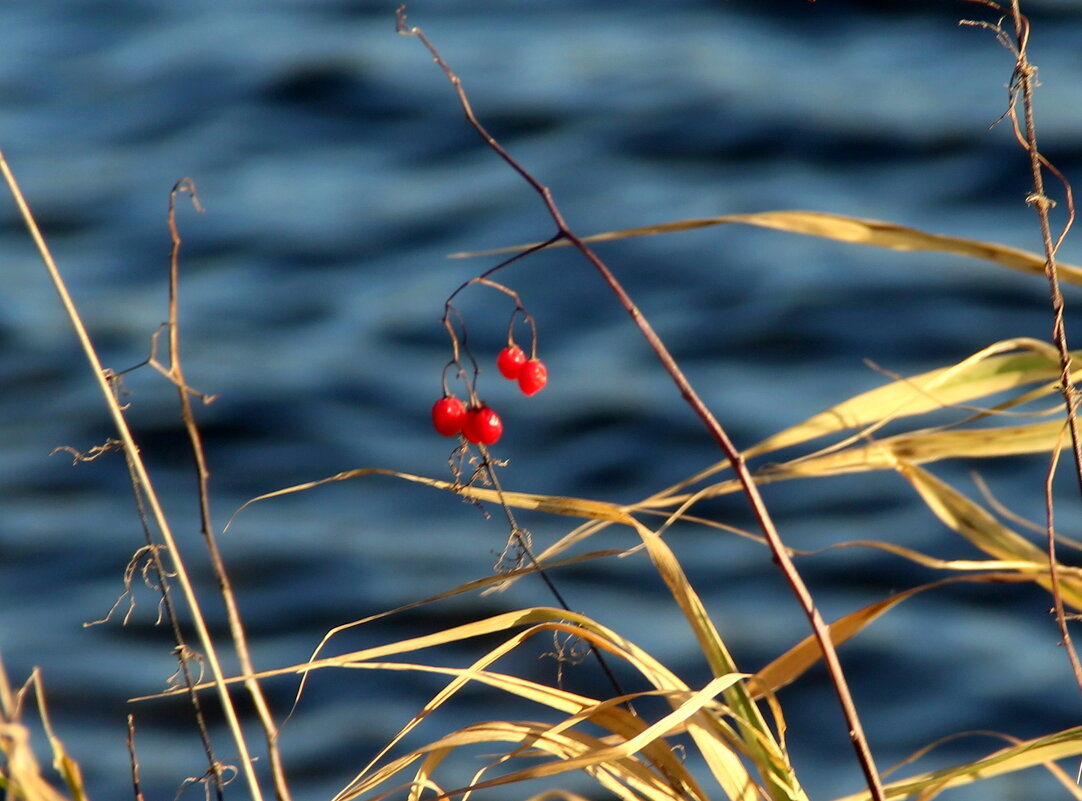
[691, 397]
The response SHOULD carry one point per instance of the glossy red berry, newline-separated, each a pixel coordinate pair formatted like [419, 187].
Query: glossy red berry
[533, 377]
[510, 362]
[483, 426]
[449, 415]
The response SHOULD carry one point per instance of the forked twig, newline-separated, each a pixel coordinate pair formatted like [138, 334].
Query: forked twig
[691, 397]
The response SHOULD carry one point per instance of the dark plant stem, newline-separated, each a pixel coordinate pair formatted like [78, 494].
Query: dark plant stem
[236, 626]
[137, 791]
[691, 397]
[520, 540]
[183, 652]
[1023, 80]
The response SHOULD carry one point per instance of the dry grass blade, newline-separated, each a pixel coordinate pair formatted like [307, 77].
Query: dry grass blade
[926, 446]
[552, 504]
[913, 448]
[626, 777]
[140, 477]
[21, 777]
[842, 229]
[610, 715]
[794, 662]
[985, 532]
[727, 767]
[768, 755]
[1031, 753]
[983, 374]
[577, 751]
[957, 565]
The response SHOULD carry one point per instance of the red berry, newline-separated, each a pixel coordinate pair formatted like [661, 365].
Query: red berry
[510, 362]
[533, 377]
[449, 415]
[483, 426]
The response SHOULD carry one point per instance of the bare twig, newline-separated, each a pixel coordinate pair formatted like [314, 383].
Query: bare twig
[183, 652]
[236, 627]
[1022, 83]
[691, 397]
[136, 785]
[1024, 74]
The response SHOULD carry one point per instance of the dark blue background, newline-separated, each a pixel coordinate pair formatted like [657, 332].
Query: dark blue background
[337, 172]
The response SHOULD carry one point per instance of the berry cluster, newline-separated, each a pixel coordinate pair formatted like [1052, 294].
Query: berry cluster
[479, 424]
[531, 374]
[473, 419]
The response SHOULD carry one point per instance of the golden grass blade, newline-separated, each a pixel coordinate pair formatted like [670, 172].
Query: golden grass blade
[840, 228]
[603, 714]
[1057, 772]
[983, 374]
[978, 526]
[1028, 754]
[767, 754]
[608, 715]
[552, 504]
[577, 751]
[736, 780]
[958, 565]
[990, 371]
[478, 628]
[930, 445]
[794, 662]
[21, 775]
[921, 447]
[573, 751]
[67, 767]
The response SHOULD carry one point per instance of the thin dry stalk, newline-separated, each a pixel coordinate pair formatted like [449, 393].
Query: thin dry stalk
[183, 652]
[1024, 78]
[137, 790]
[691, 397]
[236, 627]
[143, 479]
[1023, 81]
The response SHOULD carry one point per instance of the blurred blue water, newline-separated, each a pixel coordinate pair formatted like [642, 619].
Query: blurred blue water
[337, 172]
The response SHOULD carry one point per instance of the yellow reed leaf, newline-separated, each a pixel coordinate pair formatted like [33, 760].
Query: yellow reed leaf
[1031, 753]
[840, 228]
[978, 526]
[983, 374]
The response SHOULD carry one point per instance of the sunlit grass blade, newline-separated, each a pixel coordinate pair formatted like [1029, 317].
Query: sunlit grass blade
[767, 754]
[551, 504]
[886, 454]
[626, 777]
[579, 751]
[727, 767]
[990, 371]
[981, 375]
[1031, 753]
[978, 526]
[926, 446]
[842, 229]
[21, 776]
[798, 659]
